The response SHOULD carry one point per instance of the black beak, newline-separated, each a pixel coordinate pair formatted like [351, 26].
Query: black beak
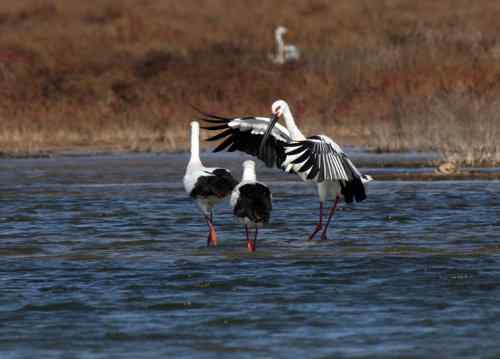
[273, 121]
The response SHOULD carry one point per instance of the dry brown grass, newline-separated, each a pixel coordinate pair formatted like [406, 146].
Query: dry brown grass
[119, 75]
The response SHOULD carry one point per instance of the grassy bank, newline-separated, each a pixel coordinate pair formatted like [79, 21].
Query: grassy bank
[120, 75]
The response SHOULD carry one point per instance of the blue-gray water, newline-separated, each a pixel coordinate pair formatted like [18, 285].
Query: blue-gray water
[105, 257]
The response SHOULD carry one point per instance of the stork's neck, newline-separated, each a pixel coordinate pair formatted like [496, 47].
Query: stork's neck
[295, 133]
[195, 146]
[279, 42]
[249, 174]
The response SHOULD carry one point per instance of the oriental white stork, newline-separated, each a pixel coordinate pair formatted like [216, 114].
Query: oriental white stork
[207, 186]
[251, 202]
[284, 52]
[316, 158]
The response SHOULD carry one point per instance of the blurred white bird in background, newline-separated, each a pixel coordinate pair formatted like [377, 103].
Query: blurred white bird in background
[284, 53]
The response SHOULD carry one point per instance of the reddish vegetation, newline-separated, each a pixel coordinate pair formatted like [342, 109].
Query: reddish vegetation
[120, 75]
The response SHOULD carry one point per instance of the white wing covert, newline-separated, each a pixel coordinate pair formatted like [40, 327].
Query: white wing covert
[245, 134]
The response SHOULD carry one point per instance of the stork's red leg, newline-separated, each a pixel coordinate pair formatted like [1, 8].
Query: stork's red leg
[330, 216]
[319, 226]
[251, 244]
[212, 234]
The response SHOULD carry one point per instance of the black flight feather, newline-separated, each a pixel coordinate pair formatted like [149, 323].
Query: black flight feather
[220, 135]
[295, 151]
[301, 158]
[223, 144]
[211, 120]
[220, 127]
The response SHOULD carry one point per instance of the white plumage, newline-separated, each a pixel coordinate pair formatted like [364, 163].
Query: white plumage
[206, 185]
[251, 202]
[317, 158]
[258, 126]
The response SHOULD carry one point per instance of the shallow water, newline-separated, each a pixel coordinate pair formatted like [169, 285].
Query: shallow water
[105, 257]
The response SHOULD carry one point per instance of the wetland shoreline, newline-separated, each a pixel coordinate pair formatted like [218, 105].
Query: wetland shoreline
[408, 166]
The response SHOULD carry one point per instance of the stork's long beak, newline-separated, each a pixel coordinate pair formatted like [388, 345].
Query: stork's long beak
[273, 121]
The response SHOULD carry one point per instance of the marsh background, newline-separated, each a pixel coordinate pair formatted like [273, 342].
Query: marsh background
[100, 76]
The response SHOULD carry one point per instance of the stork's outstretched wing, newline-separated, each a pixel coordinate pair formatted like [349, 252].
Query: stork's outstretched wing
[245, 134]
[321, 159]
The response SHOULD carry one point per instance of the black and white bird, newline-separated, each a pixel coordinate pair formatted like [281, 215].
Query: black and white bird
[317, 158]
[251, 202]
[207, 186]
[284, 52]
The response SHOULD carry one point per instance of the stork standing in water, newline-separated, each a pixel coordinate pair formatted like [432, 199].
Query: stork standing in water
[207, 186]
[284, 52]
[316, 158]
[251, 202]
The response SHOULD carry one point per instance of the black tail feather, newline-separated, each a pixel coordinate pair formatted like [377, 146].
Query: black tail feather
[218, 183]
[254, 203]
[353, 190]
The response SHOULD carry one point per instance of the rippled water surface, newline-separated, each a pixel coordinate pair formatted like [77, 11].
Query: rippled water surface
[105, 257]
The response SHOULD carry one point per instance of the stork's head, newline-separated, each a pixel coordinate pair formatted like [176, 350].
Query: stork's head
[195, 130]
[278, 108]
[195, 125]
[280, 30]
